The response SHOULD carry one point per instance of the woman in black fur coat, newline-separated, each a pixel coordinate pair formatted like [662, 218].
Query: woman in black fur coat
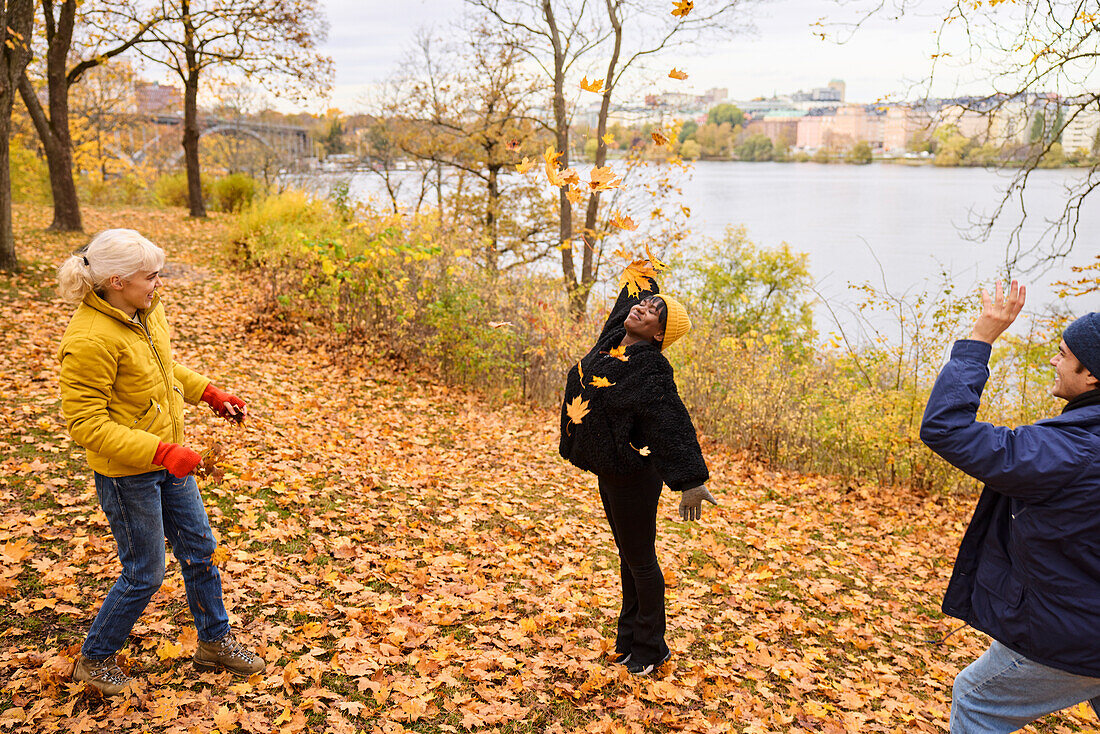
[623, 420]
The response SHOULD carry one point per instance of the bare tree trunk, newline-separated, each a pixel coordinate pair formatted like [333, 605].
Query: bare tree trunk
[191, 118]
[492, 186]
[561, 130]
[54, 135]
[16, 24]
[588, 266]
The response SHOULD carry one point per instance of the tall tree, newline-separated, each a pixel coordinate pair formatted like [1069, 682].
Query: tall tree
[562, 37]
[104, 41]
[16, 22]
[273, 42]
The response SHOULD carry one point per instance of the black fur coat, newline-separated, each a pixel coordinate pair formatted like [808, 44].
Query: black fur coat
[636, 422]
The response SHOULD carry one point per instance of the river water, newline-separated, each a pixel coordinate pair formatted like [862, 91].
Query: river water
[902, 229]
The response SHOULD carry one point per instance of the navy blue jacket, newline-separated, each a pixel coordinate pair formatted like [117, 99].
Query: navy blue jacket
[1028, 570]
[637, 422]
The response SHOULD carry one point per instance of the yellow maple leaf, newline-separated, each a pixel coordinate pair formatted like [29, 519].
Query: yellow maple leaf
[576, 410]
[601, 382]
[686, 210]
[602, 179]
[169, 650]
[591, 86]
[618, 219]
[677, 74]
[575, 194]
[636, 277]
[644, 451]
[580, 371]
[608, 139]
[683, 7]
[525, 165]
[658, 265]
[619, 353]
[659, 138]
[567, 245]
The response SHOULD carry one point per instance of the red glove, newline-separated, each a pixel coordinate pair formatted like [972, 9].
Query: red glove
[178, 460]
[225, 405]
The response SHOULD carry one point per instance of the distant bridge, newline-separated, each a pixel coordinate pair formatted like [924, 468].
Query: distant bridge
[290, 141]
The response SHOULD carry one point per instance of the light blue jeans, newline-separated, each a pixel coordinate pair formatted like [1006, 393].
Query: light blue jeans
[143, 511]
[1003, 691]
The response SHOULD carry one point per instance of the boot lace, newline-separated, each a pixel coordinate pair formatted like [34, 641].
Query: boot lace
[229, 647]
[108, 671]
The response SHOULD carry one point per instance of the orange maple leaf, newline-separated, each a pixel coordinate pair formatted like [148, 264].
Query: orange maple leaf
[620, 220]
[636, 277]
[595, 85]
[602, 179]
[659, 138]
[575, 194]
[556, 177]
[525, 165]
[686, 210]
[677, 74]
[601, 382]
[576, 410]
[619, 353]
[683, 7]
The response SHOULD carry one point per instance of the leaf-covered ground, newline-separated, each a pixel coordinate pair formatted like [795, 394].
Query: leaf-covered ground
[409, 558]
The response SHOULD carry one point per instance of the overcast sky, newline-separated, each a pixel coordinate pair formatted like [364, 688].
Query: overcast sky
[368, 38]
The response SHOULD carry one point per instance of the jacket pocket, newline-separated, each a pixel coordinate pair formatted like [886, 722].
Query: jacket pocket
[147, 417]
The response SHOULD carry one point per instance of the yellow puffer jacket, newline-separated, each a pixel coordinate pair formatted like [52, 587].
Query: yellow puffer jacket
[121, 393]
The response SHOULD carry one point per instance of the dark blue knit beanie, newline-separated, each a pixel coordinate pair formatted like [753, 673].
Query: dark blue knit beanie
[1083, 339]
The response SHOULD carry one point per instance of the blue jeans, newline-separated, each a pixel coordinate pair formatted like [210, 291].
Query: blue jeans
[143, 511]
[1003, 691]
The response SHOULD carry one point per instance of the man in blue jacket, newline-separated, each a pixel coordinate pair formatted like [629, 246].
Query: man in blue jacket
[1028, 569]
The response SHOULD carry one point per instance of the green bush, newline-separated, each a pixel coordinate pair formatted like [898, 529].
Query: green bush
[233, 192]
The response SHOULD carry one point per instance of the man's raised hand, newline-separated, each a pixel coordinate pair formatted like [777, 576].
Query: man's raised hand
[998, 312]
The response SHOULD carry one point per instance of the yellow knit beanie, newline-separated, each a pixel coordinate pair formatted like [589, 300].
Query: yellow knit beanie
[677, 322]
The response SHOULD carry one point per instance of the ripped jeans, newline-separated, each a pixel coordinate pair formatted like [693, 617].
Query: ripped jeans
[144, 510]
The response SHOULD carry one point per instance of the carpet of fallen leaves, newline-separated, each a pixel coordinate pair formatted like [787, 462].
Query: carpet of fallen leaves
[407, 557]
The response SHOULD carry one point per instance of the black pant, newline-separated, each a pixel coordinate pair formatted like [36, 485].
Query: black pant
[630, 502]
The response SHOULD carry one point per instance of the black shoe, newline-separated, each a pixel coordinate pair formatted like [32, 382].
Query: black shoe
[621, 658]
[637, 668]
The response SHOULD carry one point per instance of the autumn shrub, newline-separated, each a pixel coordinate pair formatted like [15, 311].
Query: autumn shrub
[233, 192]
[130, 189]
[171, 190]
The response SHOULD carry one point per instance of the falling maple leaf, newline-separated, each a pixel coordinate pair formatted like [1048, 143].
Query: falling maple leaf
[601, 382]
[644, 451]
[682, 7]
[619, 353]
[622, 222]
[637, 277]
[686, 210]
[499, 324]
[677, 74]
[556, 177]
[658, 265]
[575, 194]
[594, 86]
[580, 371]
[525, 165]
[565, 245]
[608, 139]
[602, 179]
[576, 410]
[659, 138]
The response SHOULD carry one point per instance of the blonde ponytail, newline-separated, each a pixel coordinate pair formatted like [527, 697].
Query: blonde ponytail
[121, 252]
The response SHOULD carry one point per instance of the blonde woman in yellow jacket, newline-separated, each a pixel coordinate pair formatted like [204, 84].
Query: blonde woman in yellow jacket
[122, 395]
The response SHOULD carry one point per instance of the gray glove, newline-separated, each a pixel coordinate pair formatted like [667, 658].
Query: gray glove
[691, 502]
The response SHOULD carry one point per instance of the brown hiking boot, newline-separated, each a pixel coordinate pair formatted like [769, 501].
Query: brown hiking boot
[103, 675]
[228, 654]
